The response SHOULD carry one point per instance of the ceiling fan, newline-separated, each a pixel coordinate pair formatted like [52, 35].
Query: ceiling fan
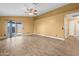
[33, 11]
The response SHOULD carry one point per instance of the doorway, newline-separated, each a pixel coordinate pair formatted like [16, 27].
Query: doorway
[71, 23]
[19, 28]
[11, 29]
[14, 29]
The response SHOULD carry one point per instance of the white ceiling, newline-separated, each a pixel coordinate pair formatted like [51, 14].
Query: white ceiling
[18, 9]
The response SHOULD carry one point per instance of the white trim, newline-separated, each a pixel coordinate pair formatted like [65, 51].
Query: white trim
[50, 36]
[2, 37]
[27, 34]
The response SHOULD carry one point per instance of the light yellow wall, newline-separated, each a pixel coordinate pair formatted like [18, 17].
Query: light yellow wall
[27, 22]
[2, 30]
[51, 26]
[51, 23]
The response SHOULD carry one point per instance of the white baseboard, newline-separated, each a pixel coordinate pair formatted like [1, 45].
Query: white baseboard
[40, 35]
[27, 34]
[50, 36]
[2, 37]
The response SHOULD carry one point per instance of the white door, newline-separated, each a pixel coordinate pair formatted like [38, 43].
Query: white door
[71, 27]
[77, 30]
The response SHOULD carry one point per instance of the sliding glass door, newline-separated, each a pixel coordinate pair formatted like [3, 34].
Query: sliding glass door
[11, 29]
[14, 28]
[71, 26]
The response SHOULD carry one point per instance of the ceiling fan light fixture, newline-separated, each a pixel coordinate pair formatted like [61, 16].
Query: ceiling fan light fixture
[32, 11]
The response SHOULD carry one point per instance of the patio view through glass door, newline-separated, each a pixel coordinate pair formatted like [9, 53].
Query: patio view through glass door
[11, 28]
[71, 25]
[14, 29]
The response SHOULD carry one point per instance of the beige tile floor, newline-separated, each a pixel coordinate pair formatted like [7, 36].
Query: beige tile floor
[33, 45]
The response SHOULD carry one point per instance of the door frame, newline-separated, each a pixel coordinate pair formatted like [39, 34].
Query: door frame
[7, 27]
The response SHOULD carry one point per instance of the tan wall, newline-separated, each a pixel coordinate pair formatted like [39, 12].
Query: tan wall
[27, 22]
[51, 26]
[51, 23]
